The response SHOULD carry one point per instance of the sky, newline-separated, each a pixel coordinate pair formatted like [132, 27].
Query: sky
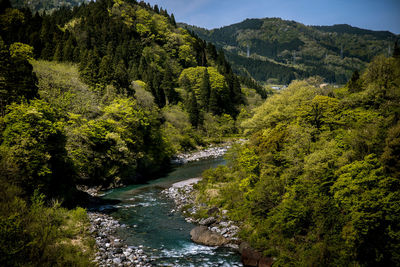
[367, 14]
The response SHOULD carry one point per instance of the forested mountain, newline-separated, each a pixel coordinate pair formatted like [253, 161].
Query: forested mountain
[279, 51]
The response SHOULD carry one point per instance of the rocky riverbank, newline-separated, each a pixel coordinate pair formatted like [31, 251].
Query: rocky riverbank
[216, 229]
[184, 197]
[213, 151]
[111, 250]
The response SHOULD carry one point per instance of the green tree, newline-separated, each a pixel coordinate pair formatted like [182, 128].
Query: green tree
[33, 149]
[193, 110]
[354, 84]
[17, 81]
[205, 90]
[370, 203]
[106, 71]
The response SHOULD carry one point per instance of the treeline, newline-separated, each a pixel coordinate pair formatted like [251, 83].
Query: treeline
[317, 184]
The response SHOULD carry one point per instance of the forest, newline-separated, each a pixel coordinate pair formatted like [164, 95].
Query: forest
[318, 182]
[280, 51]
[105, 93]
[101, 94]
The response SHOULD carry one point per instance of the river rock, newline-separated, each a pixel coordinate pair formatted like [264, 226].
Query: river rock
[207, 221]
[202, 235]
[213, 211]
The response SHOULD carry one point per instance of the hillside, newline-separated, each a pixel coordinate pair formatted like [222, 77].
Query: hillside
[317, 184]
[276, 50]
[101, 95]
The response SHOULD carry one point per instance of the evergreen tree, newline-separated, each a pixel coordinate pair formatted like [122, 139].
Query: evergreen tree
[173, 22]
[158, 92]
[121, 76]
[213, 103]
[193, 110]
[168, 86]
[68, 50]
[354, 84]
[205, 90]
[105, 70]
[90, 70]
[17, 81]
[58, 55]
[396, 50]
[156, 9]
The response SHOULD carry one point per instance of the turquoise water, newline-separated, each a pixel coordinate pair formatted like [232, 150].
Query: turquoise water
[163, 234]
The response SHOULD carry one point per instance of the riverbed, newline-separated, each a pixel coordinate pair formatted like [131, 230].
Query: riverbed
[151, 222]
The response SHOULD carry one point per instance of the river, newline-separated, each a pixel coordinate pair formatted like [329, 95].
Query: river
[164, 234]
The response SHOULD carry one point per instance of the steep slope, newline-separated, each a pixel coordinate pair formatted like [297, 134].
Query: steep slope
[277, 46]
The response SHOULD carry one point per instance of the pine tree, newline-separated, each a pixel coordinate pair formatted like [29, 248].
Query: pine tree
[156, 9]
[173, 22]
[354, 83]
[58, 56]
[214, 105]
[105, 70]
[121, 76]
[158, 92]
[396, 50]
[205, 90]
[90, 70]
[168, 86]
[17, 81]
[193, 110]
[68, 50]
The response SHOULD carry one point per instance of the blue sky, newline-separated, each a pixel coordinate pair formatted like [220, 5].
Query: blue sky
[368, 14]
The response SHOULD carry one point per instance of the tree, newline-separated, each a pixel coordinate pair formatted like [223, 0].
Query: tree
[33, 149]
[193, 110]
[370, 203]
[90, 68]
[396, 50]
[173, 19]
[214, 103]
[106, 72]
[17, 81]
[205, 90]
[121, 77]
[168, 86]
[354, 84]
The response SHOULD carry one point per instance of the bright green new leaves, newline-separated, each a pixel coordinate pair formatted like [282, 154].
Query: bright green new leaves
[365, 196]
[22, 51]
[195, 75]
[114, 147]
[317, 184]
[33, 148]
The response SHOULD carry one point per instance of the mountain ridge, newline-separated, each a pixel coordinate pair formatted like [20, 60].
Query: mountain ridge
[332, 52]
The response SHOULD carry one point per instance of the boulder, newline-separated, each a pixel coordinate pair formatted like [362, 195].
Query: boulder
[207, 221]
[252, 257]
[202, 235]
[213, 211]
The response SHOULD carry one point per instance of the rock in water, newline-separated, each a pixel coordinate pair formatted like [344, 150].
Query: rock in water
[202, 235]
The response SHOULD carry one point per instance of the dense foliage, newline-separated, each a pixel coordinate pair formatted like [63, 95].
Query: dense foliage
[318, 182]
[94, 96]
[35, 234]
[286, 50]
